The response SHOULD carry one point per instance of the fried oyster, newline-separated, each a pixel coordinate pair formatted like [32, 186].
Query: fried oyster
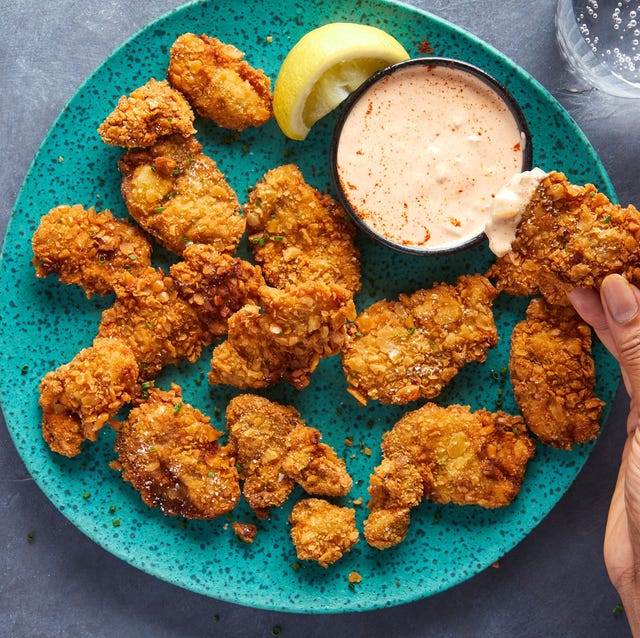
[179, 196]
[215, 285]
[152, 111]
[314, 465]
[572, 236]
[275, 449]
[88, 248]
[456, 455]
[258, 431]
[298, 234]
[150, 317]
[463, 457]
[219, 83]
[321, 531]
[395, 488]
[79, 397]
[400, 351]
[169, 451]
[523, 277]
[283, 339]
[553, 375]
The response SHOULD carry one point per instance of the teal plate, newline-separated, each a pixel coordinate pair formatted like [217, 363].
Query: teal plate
[45, 323]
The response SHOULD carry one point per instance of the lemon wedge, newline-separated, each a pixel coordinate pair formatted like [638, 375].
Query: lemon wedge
[324, 67]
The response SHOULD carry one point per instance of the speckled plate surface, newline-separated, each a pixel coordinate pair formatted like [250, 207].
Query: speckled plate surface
[45, 323]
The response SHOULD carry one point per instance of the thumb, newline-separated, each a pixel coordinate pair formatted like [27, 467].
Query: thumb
[621, 303]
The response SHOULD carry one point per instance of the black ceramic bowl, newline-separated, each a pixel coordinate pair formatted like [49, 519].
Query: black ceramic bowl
[341, 182]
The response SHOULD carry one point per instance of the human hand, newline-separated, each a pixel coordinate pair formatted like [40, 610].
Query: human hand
[615, 316]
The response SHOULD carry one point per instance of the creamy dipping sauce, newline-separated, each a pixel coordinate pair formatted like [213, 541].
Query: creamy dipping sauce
[507, 208]
[422, 153]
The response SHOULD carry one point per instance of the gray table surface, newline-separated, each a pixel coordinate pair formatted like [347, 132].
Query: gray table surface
[61, 584]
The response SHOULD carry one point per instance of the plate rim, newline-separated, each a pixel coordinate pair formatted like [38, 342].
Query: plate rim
[29, 464]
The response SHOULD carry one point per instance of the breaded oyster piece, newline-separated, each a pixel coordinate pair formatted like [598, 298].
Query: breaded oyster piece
[553, 375]
[219, 83]
[180, 197]
[298, 234]
[448, 455]
[283, 339]
[150, 317]
[575, 235]
[258, 430]
[169, 451]
[152, 111]
[216, 285]
[395, 488]
[79, 397]
[321, 531]
[88, 248]
[400, 351]
[463, 457]
[315, 466]
[521, 277]
[275, 449]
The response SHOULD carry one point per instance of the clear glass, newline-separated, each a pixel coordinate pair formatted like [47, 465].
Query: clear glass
[600, 40]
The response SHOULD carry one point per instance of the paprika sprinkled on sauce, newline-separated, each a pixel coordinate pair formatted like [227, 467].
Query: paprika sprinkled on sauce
[422, 152]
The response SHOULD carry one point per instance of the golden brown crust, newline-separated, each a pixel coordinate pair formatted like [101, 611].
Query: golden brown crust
[395, 487]
[285, 339]
[576, 235]
[522, 277]
[159, 327]
[313, 465]
[246, 532]
[152, 111]
[170, 453]
[215, 285]
[298, 234]
[553, 375]
[275, 449]
[403, 350]
[87, 248]
[385, 528]
[321, 531]
[180, 197]
[258, 431]
[463, 457]
[219, 83]
[448, 455]
[79, 397]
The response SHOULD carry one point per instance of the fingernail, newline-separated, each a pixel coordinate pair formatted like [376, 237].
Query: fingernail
[619, 298]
